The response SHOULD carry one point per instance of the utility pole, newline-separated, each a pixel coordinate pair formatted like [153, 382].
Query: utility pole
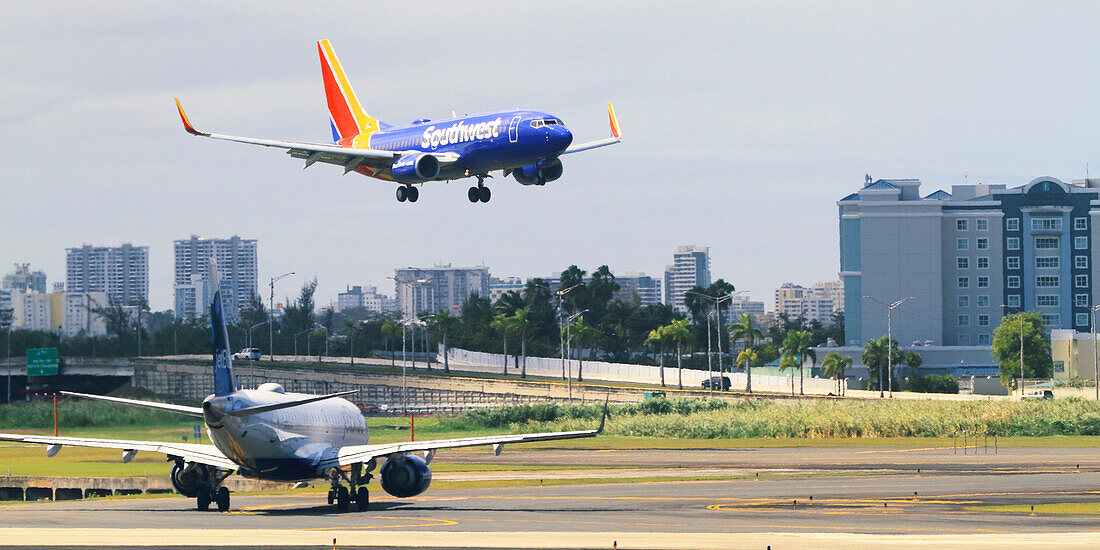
[889, 343]
[271, 316]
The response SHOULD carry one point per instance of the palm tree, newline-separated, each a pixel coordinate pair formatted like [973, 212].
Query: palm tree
[503, 324]
[746, 358]
[584, 334]
[520, 324]
[509, 303]
[835, 364]
[389, 329]
[656, 338]
[797, 344]
[744, 330]
[446, 323]
[678, 332]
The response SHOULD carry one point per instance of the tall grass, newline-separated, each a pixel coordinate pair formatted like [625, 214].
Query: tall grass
[82, 414]
[713, 419]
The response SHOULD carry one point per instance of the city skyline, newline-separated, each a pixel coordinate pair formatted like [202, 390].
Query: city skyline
[740, 129]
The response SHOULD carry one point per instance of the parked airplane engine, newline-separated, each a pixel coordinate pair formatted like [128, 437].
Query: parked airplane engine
[406, 476]
[187, 478]
[415, 168]
[529, 175]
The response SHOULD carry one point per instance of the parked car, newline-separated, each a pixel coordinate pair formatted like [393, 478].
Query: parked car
[719, 383]
[1039, 394]
[248, 353]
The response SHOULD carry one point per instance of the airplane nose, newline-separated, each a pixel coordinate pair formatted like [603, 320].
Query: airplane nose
[562, 137]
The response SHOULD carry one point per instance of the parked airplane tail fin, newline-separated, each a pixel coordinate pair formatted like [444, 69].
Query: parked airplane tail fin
[224, 384]
[347, 117]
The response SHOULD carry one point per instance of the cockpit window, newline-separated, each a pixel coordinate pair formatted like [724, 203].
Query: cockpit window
[545, 122]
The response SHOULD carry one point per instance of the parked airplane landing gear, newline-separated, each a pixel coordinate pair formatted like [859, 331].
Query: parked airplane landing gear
[407, 193]
[340, 495]
[209, 490]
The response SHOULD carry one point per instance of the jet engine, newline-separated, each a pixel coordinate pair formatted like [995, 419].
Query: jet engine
[187, 478]
[529, 175]
[415, 168]
[406, 476]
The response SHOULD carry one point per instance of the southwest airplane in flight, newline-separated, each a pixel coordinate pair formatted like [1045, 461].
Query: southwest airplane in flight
[267, 433]
[522, 143]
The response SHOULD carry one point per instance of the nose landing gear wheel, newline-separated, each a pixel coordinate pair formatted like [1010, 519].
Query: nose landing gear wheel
[402, 194]
[484, 194]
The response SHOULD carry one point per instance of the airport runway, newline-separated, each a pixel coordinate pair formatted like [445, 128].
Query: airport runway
[880, 502]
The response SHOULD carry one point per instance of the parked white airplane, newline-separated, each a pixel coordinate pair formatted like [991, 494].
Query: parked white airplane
[267, 433]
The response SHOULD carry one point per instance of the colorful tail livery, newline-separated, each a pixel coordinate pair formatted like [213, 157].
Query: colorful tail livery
[525, 144]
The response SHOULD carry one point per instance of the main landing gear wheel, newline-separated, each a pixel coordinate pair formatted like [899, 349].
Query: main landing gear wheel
[402, 194]
[412, 193]
[473, 194]
[223, 499]
[362, 499]
[331, 496]
[343, 500]
[484, 194]
[203, 499]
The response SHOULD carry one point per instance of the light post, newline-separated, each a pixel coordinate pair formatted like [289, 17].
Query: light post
[718, 313]
[251, 373]
[561, 328]
[270, 314]
[319, 351]
[10, 322]
[410, 313]
[1095, 360]
[404, 374]
[296, 335]
[889, 342]
[1021, 387]
[569, 340]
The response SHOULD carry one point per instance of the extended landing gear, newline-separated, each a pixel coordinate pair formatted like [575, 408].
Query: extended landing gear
[340, 495]
[407, 193]
[479, 193]
[212, 495]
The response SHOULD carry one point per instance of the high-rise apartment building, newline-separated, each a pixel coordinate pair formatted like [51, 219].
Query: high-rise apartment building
[646, 288]
[817, 303]
[122, 272]
[68, 313]
[235, 259]
[365, 297]
[24, 280]
[690, 267]
[439, 288]
[962, 260]
[498, 286]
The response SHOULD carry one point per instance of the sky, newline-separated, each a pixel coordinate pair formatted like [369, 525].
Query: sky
[743, 123]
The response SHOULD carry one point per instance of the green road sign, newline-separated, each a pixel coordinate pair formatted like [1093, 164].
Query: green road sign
[41, 361]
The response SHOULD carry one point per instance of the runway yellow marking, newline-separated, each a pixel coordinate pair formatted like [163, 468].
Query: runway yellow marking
[904, 450]
[428, 522]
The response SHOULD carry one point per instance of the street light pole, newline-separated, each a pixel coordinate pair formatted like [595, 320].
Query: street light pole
[561, 331]
[889, 342]
[569, 340]
[270, 314]
[1095, 359]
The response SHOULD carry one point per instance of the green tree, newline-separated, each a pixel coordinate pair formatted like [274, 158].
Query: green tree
[509, 303]
[447, 324]
[835, 364]
[389, 330]
[583, 334]
[743, 329]
[745, 359]
[657, 339]
[875, 356]
[796, 347]
[576, 299]
[503, 324]
[1006, 347]
[678, 333]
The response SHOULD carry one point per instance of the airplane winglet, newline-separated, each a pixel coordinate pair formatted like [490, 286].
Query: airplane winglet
[610, 118]
[606, 413]
[187, 123]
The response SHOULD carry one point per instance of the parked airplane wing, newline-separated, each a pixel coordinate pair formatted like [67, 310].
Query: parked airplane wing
[349, 158]
[364, 453]
[191, 452]
[616, 137]
[181, 409]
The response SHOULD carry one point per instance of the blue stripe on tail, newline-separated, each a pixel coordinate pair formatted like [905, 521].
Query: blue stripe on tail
[224, 384]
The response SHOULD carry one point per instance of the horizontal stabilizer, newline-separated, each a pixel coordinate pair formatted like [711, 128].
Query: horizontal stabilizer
[277, 406]
[181, 409]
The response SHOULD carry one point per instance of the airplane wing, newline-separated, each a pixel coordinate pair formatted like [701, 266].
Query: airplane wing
[347, 157]
[191, 452]
[616, 137]
[181, 409]
[364, 453]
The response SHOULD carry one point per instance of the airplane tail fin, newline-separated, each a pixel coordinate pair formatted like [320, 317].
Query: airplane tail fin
[347, 117]
[224, 384]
